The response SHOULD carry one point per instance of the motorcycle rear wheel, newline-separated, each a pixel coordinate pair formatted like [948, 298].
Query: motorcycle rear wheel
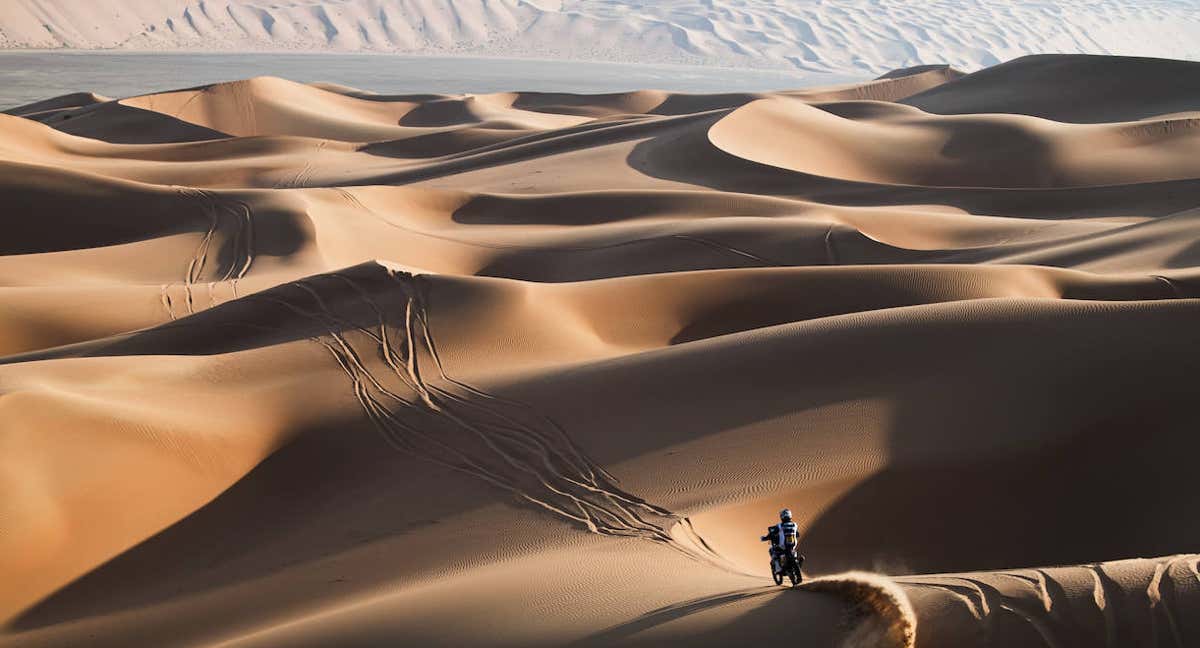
[778, 576]
[794, 575]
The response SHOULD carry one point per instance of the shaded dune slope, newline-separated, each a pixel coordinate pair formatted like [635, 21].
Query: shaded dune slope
[1102, 89]
[889, 144]
[533, 368]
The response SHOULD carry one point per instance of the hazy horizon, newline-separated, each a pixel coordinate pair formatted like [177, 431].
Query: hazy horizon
[27, 77]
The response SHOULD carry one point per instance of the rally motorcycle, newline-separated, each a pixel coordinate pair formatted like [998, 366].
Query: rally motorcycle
[786, 562]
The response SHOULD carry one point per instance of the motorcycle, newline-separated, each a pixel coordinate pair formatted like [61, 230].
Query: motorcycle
[786, 562]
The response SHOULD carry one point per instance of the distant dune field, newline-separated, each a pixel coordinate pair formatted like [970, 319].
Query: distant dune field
[300, 365]
[842, 36]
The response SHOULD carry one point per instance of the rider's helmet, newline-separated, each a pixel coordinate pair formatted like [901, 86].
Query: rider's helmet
[785, 515]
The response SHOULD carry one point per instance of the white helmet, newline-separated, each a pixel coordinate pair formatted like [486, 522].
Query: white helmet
[785, 515]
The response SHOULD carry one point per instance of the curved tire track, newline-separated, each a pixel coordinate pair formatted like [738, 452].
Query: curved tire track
[420, 409]
[220, 210]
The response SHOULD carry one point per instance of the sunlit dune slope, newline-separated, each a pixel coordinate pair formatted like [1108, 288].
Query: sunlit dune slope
[292, 365]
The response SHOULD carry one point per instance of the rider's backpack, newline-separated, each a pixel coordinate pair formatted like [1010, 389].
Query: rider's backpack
[789, 535]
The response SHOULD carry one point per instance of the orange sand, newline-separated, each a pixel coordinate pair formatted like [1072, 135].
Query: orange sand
[291, 365]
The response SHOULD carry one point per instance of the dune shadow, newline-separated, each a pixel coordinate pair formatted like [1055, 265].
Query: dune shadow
[536, 144]
[117, 123]
[62, 223]
[815, 617]
[285, 313]
[333, 490]
[1188, 257]
[1073, 88]
[672, 612]
[1067, 451]
[1063, 454]
[98, 213]
[687, 156]
[571, 209]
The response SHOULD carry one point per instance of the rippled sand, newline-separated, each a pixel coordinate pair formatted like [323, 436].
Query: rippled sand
[296, 365]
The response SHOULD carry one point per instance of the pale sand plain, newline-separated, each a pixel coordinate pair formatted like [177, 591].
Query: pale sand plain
[860, 37]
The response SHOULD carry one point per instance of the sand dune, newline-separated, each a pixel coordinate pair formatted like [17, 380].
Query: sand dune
[850, 36]
[887, 144]
[291, 365]
[1036, 85]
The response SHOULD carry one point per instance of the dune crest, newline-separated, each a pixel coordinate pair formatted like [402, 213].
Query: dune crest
[856, 36]
[340, 368]
[886, 616]
[889, 144]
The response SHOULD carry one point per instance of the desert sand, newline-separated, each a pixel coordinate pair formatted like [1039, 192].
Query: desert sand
[847, 36]
[301, 365]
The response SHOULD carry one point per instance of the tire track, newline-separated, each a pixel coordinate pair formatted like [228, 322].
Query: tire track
[830, 250]
[1154, 593]
[716, 245]
[1103, 596]
[1121, 609]
[1039, 585]
[243, 239]
[1033, 618]
[1170, 284]
[571, 454]
[418, 408]
[605, 487]
[301, 177]
[241, 245]
[971, 595]
[988, 598]
[199, 258]
[603, 507]
[165, 297]
[959, 593]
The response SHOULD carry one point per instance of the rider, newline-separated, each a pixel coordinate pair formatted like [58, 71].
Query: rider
[783, 537]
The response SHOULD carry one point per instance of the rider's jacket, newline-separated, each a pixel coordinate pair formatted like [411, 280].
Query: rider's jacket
[784, 534]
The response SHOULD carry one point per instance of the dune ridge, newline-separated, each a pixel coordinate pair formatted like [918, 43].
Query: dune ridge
[889, 616]
[339, 368]
[849, 37]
